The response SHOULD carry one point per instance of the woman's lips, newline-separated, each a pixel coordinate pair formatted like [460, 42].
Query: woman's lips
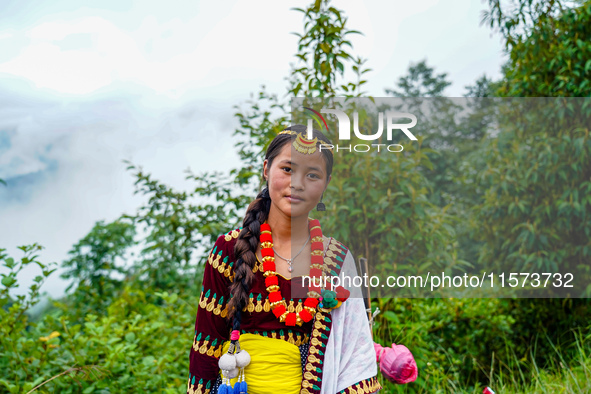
[294, 199]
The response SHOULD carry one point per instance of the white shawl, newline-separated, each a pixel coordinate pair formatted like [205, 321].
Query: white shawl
[350, 356]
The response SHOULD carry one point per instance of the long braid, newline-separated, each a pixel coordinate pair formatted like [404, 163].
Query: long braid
[245, 255]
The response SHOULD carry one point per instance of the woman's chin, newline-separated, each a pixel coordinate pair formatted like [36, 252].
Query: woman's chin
[294, 211]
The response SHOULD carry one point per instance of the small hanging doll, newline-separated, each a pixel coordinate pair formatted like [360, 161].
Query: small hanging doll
[232, 364]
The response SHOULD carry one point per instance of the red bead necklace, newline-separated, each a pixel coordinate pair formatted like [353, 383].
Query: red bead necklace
[278, 304]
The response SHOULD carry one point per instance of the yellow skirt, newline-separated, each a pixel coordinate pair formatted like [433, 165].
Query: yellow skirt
[275, 365]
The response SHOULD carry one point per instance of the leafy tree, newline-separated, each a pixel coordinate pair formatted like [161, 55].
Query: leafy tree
[97, 264]
[549, 47]
[421, 81]
[535, 179]
[450, 137]
[523, 207]
[322, 55]
[483, 87]
[169, 223]
[476, 129]
[437, 123]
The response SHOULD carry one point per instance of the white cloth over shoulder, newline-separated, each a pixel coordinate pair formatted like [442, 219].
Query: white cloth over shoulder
[350, 356]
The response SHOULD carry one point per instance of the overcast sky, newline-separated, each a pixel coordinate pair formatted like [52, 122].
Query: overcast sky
[83, 88]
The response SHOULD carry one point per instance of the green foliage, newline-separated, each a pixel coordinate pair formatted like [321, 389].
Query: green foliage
[13, 311]
[525, 188]
[94, 260]
[135, 345]
[549, 45]
[451, 142]
[483, 87]
[444, 365]
[452, 340]
[462, 344]
[322, 54]
[537, 189]
[264, 118]
[171, 227]
[447, 137]
[138, 345]
[533, 216]
[420, 82]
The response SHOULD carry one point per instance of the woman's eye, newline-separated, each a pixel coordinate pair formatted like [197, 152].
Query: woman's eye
[315, 176]
[286, 169]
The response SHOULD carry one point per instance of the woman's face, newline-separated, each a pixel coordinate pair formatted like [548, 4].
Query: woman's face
[296, 181]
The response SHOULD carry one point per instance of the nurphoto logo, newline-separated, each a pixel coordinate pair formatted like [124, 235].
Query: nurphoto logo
[344, 127]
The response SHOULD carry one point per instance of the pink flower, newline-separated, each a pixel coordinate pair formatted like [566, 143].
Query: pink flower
[396, 363]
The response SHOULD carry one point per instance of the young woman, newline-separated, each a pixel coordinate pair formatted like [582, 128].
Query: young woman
[317, 342]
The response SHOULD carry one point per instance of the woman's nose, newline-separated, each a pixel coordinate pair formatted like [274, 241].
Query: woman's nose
[296, 182]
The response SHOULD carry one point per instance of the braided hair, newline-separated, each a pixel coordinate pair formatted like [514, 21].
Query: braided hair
[256, 214]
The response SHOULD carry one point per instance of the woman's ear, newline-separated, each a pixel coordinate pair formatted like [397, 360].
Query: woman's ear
[265, 170]
[327, 182]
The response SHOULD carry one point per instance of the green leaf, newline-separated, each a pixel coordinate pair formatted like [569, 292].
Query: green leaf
[8, 281]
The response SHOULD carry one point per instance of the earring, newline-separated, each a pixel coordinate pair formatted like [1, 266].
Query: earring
[321, 206]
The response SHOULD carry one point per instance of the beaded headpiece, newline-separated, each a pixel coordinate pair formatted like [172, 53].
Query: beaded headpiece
[304, 145]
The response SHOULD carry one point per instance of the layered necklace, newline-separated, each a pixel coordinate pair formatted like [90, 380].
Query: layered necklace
[276, 300]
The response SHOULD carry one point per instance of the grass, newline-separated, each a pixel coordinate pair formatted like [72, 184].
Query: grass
[562, 374]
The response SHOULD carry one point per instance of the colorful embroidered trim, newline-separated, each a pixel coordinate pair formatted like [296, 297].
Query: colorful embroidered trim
[217, 308]
[232, 234]
[369, 385]
[201, 387]
[203, 347]
[312, 381]
[291, 337]
[214, 260]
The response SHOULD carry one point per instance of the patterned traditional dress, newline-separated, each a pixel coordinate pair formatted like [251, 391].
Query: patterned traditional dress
[336, 347]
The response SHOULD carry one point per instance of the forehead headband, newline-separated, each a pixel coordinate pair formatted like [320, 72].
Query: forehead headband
[304, 145]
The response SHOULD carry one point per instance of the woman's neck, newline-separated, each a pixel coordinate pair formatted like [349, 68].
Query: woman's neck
[287, 229]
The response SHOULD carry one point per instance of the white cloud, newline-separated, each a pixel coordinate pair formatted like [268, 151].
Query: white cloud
[79, 71]
[172, 56]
